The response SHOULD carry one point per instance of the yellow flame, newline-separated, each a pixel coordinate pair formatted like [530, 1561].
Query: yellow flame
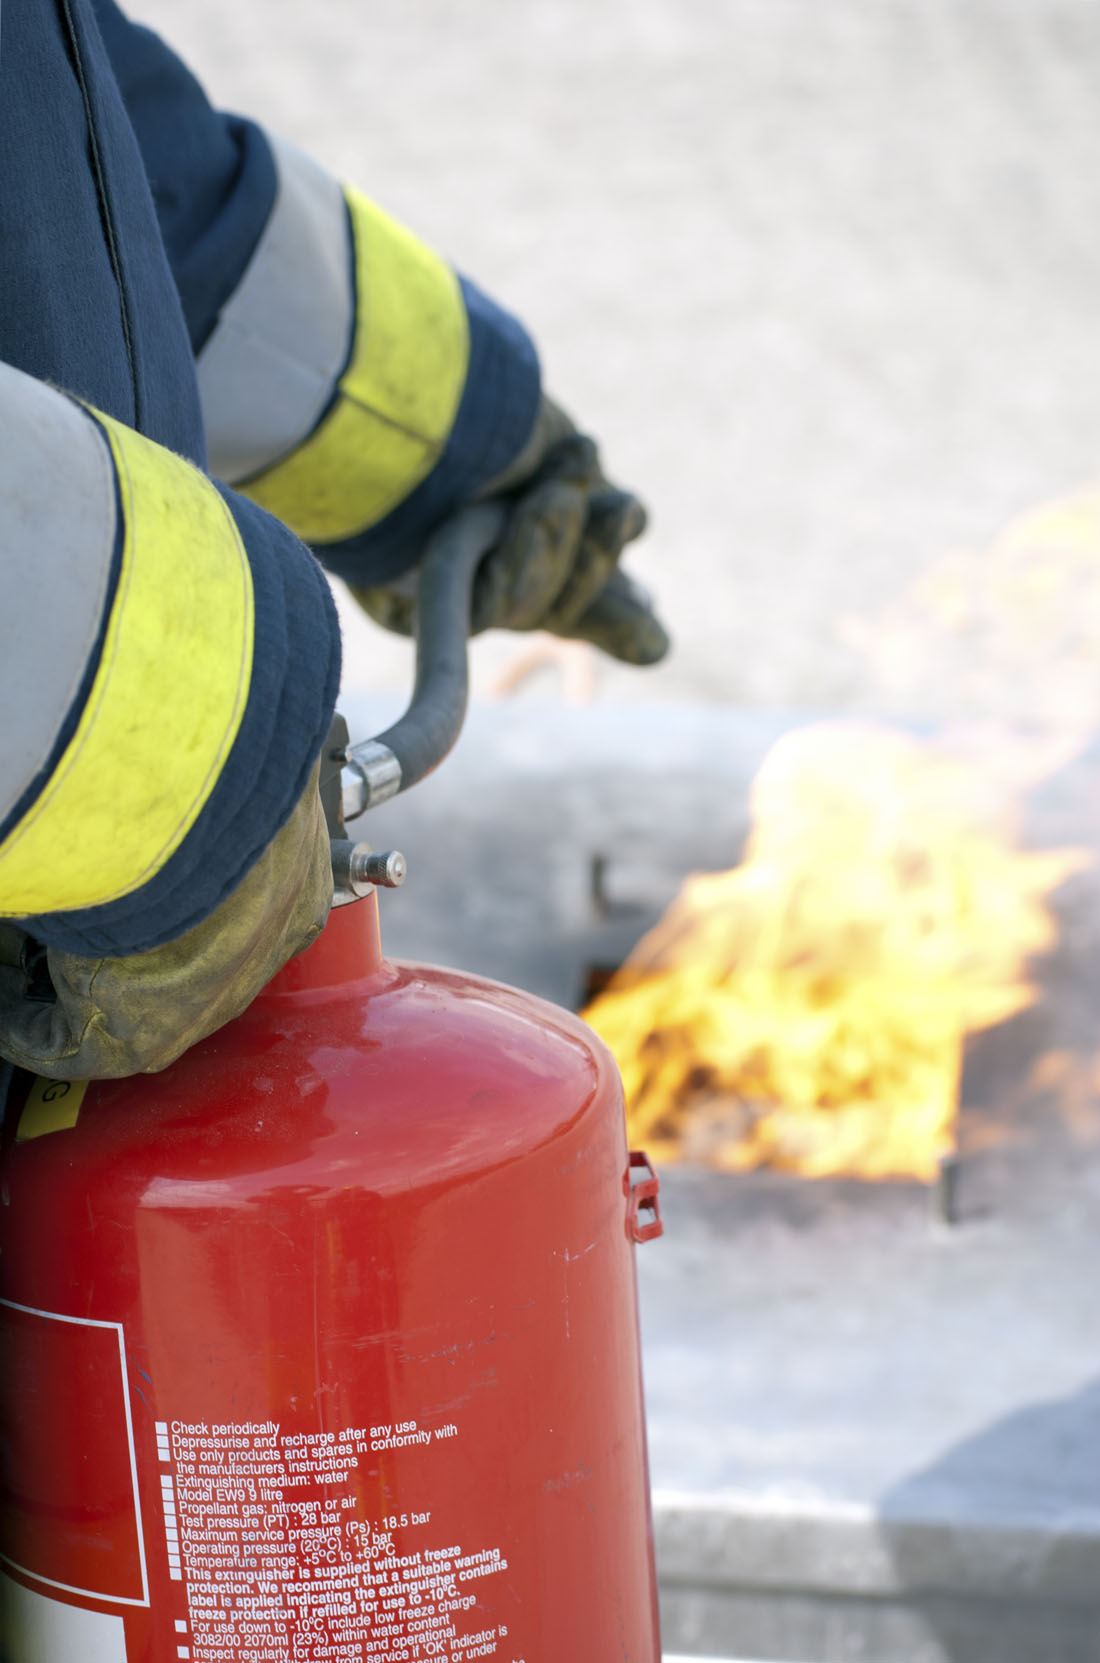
[807, 1010]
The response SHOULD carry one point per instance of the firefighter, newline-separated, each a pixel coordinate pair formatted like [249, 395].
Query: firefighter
[211, 356]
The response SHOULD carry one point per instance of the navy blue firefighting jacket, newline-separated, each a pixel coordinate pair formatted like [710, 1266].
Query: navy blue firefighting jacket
[211, 355]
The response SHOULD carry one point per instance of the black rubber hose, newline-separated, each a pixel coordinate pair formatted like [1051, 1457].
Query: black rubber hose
[424, 735]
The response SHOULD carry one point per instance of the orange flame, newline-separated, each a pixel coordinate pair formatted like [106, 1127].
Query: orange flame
[807, 1010]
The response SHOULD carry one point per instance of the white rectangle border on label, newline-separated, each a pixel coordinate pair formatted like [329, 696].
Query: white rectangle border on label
[64, 1587]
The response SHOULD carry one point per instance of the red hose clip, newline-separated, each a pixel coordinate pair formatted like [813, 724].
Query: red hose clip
[642, 1196]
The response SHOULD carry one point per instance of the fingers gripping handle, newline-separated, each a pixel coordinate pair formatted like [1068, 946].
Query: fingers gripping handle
[378, 768]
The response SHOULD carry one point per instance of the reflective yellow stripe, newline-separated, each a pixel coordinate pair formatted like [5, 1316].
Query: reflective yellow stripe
[397, 400]
[51, 1106]
[165, 704]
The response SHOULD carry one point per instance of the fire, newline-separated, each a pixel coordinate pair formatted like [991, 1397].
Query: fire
[807, 1010]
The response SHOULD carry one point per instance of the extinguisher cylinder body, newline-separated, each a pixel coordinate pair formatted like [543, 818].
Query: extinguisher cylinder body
[322, 1344]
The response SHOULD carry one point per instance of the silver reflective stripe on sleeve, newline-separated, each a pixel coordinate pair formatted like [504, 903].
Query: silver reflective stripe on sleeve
[57, 522]
[269, 368]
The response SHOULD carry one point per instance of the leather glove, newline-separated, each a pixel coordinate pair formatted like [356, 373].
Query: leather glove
[556, 564]
[102, 1018]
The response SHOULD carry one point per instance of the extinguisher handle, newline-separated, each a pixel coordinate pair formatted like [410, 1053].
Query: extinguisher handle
[377, 769]
[643, 1189]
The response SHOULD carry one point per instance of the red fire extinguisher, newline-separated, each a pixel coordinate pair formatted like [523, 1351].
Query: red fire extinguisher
[322, 1344]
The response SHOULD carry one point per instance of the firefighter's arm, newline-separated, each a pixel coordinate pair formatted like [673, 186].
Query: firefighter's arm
[169, 673]
[357, 387]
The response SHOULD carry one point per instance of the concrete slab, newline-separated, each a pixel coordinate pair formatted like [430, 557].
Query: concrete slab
[501, 840]
[884, 1442]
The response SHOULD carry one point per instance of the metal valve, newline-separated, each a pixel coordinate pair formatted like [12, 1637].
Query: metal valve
[357, 869]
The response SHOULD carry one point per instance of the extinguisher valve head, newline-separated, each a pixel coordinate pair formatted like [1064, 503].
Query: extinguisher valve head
[357, 869]
[389, 869]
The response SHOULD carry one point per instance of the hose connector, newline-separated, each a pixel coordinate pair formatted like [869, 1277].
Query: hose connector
[371, 775]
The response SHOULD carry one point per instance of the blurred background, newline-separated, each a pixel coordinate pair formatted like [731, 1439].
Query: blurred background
[822, 279]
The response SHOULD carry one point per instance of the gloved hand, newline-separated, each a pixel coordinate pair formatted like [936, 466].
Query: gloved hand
[117, 1016]
[556, 565]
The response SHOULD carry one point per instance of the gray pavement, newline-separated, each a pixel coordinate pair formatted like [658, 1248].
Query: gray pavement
[824, 277]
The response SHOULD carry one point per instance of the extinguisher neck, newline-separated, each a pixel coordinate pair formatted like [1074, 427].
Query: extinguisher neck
[348, 949]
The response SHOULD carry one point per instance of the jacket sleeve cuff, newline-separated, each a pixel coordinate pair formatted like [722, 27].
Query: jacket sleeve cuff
[355, 386]
[195, 658]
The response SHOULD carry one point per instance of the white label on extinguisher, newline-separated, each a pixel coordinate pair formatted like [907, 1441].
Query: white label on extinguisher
[261, 1526]
[41, 1630]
